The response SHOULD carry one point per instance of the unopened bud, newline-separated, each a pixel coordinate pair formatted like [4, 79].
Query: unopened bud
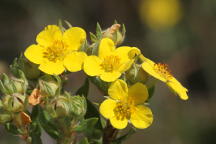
[78, 105]
[14, 102]
[48, 86]
[59, 107]
[30, 70]
[114, 33]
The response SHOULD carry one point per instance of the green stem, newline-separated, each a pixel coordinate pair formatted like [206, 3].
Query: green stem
[110, 134]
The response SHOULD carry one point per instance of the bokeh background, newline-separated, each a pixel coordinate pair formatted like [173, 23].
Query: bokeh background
[181, 33]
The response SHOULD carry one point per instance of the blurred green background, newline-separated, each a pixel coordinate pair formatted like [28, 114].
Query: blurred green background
[181, 33]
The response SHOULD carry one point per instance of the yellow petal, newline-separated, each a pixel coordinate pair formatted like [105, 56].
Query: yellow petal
[127, 53]
[138, 93]
[119, 124]
[106, 47]
[141, 117]
[107, 107]
[34, 53]
[50, 34]
[176, 86]
[118, 90]
[110, 76]
[74, 61]
[92, 66]
[149, 68]
[52, 68]
[74, 37]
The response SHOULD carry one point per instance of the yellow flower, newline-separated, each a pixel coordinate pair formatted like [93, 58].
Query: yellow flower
[56, 51]
[110, 62]
[161, 72]
[158, 14]
[127, 105]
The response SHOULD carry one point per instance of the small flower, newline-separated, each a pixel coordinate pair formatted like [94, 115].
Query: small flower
[111, 62]
[161, 72]
[57, 50]
[127, 105]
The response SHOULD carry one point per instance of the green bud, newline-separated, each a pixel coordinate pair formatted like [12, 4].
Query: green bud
[20, 85]
[136, 74]
[78, 105]
[48, 85]
[1, 104]
[59, 107]
[6, 85]
[115, 34]
[5, 117]
[30, 70]
[14, 102]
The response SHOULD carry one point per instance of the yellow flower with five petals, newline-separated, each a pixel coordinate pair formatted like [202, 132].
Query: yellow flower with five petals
[56, 51]
[111, 62]
[161, 72]
[127, 105]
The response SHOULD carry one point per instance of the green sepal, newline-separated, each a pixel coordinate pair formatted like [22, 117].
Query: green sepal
[98, 31]
[93, 37]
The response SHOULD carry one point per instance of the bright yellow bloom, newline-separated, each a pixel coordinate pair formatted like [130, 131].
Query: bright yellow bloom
[161, 72]
[111, 62]
[56, 51]
[159, 14]
[127, 105]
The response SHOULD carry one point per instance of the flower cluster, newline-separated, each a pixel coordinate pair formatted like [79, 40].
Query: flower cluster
[121, 72]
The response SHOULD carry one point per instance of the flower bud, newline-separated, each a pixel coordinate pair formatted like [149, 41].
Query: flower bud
[136, 74]
[5, 117]
[48, 85]
[20, 85]
[30, 70]
[14, 102]
[6, 85]
[114, 33]
[78, 106]
[60, 107]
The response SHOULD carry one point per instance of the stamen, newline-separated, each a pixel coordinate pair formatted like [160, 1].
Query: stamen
[110, 63]
[122, 111]
[163, 70]
[55, 52]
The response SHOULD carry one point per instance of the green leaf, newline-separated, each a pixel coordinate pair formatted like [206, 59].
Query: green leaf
[84, 89]
[11, 128]
[87, 126]
[47, 125]
[98, 31]
[84, 141]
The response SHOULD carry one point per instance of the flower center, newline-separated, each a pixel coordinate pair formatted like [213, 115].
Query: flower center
[163, 70]
[122, 111]
[110, 63]
[55, 52]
